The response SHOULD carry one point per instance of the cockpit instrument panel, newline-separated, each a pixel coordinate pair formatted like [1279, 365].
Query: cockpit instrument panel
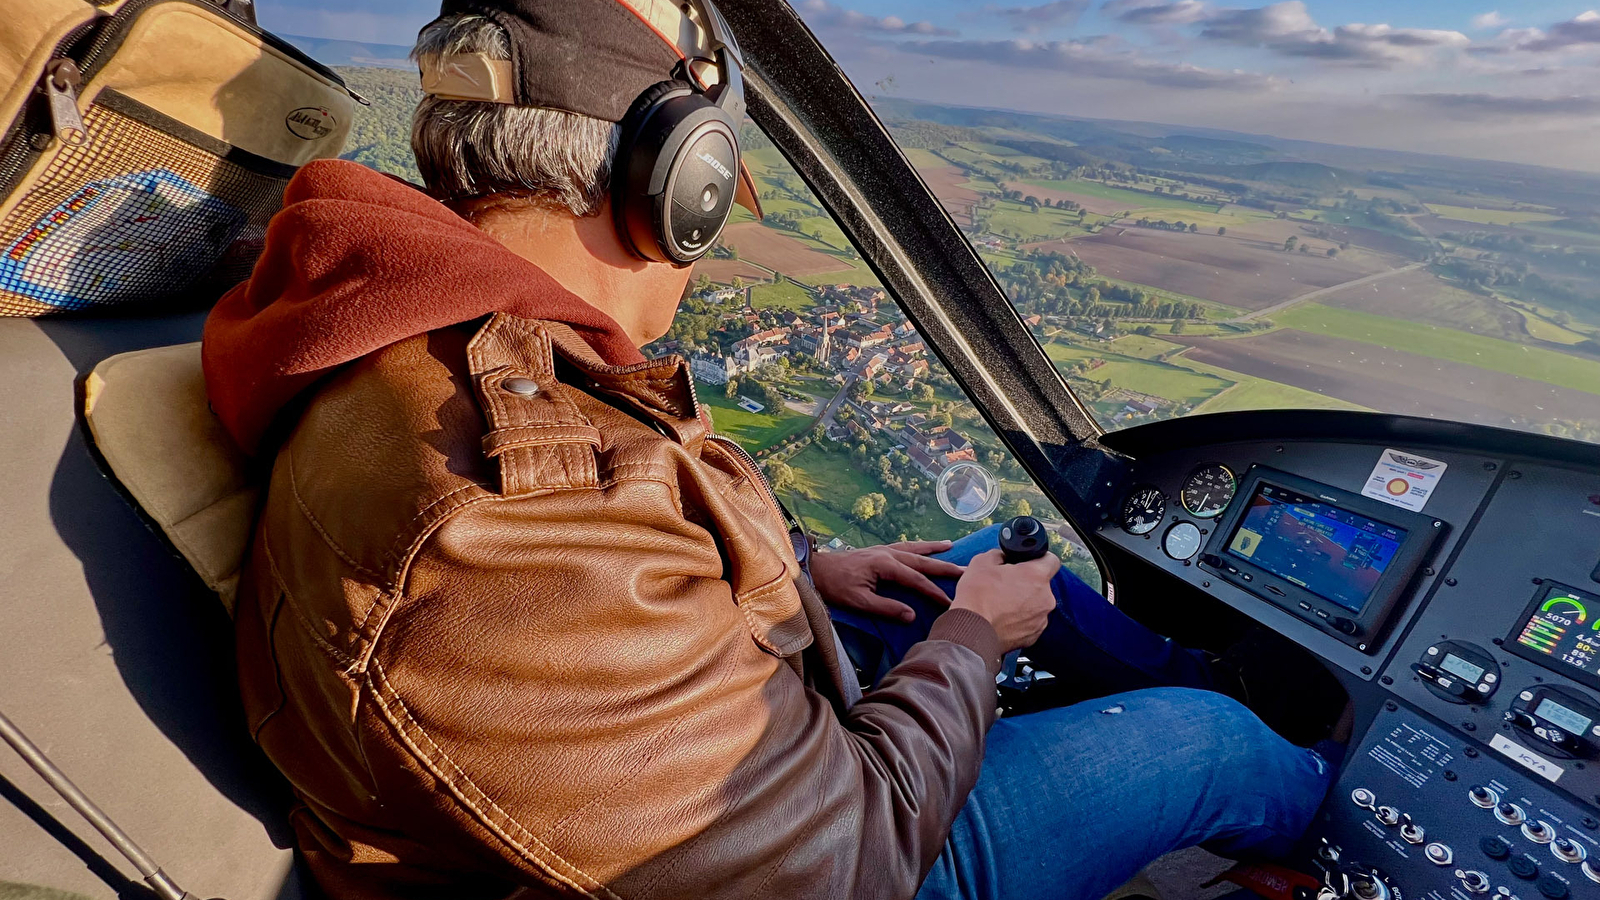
[1208, 490]
[1143, 509]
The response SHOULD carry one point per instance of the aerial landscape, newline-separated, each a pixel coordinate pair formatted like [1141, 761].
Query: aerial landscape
[1167, 271]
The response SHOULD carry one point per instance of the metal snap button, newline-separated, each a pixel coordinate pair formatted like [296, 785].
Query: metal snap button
[525, 387]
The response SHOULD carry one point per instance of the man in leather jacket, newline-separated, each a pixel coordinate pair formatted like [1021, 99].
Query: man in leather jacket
[516, 622]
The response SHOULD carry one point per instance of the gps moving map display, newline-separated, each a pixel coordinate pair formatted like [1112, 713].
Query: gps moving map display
[1336, 554]
[1561, 631]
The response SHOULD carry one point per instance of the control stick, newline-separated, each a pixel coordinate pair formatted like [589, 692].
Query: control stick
[1022, 539]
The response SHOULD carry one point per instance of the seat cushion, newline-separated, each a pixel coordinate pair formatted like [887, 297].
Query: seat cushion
[150, 421]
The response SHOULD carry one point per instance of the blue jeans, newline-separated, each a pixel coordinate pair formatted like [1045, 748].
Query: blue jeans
[1074, 801]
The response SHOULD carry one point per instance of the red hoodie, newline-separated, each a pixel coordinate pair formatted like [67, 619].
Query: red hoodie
[357, 261]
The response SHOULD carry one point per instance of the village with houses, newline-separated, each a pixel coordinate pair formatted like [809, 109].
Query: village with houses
[837, 396]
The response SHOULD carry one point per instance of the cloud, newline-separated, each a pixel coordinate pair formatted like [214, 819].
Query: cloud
[1582, 29]
[1491, 19]
[1087, 59]
[1033, 19]
[1155, 12]
[822, 14]
[1477, 107]
[1287, 28]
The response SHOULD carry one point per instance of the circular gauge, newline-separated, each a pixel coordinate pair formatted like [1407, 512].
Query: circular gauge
[1143, 510]
[1209, 490]
[1182, 541]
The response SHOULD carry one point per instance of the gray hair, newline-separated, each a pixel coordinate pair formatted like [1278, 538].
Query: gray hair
[473, 149]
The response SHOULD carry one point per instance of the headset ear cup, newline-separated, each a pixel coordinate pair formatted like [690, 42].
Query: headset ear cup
[671, 131]
[635, 161]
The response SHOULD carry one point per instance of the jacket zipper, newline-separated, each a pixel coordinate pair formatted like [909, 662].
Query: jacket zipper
[742, 453]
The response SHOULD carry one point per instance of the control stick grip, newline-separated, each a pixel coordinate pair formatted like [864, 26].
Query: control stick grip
[1023, 539]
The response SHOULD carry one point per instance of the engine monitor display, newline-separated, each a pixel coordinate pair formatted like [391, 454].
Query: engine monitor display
[1335, 553]
[1561, 630]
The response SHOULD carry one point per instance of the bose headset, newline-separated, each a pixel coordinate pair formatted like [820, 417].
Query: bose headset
[677, 165]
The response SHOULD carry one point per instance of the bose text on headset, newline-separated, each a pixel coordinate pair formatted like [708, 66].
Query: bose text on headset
[668, 73]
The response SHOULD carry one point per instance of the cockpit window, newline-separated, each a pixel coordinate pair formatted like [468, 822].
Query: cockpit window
[1201, 207]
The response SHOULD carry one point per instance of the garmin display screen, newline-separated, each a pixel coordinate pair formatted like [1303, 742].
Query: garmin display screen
[1561, 717]
[1460, 668]
[1336, 554]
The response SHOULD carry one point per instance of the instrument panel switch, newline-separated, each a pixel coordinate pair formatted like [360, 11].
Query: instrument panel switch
[1474, 881]
[1568, 850]
[1539, 832]
[1483, 797]
[1590, 872]
[1388, 815]
[1439, 854]
[1364, 798]
[1509, 814]
[1412, 833]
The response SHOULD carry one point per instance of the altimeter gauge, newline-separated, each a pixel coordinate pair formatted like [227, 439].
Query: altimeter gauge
[1143, 510]
[1209, 490]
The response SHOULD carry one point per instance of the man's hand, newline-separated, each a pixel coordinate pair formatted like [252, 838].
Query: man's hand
[851, 579]
[1016, 599]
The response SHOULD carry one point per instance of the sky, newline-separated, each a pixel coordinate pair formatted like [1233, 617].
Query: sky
[1512, 80]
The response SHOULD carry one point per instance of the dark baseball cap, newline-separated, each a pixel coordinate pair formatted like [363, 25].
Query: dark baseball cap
[591, 57]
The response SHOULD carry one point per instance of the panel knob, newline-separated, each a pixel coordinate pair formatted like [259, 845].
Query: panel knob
[1554, 888]
[1523, 868]
[1439, 854]
[1363, 798]
[1495, 847]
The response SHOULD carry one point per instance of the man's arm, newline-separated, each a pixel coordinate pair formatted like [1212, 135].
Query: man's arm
[569, 693]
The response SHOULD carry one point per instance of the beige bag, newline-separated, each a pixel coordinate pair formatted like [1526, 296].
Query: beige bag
[147, 143]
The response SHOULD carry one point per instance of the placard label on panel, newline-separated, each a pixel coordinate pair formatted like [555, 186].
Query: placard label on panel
[1530, 760]
[1403, 479]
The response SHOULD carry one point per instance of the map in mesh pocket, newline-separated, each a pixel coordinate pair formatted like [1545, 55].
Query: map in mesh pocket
[140, 235]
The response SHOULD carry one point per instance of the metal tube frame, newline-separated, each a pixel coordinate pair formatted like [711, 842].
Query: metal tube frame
[158, 880]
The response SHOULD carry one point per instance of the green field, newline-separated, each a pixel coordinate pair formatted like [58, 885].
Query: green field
[1018, 221]
[1256, 393]
[1146, 376]
[1134, 199]
[1546, 330]
[753, 431]
[833, 477]
[1490, 216]
[1490, 353]
[787, 295]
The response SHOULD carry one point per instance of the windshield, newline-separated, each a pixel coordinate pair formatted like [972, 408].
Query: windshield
[1202, 207]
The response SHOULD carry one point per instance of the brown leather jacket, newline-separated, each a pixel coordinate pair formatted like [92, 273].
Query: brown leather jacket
[516, 624]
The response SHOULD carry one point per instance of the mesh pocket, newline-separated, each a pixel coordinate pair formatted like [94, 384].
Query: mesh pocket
[146, 209]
